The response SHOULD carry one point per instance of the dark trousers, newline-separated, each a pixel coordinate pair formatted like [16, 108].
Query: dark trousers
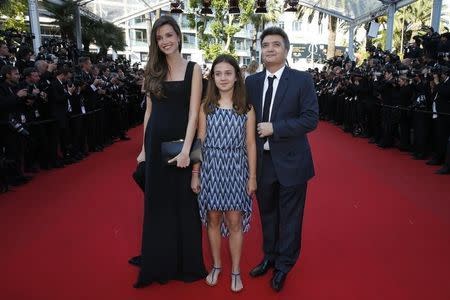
[405, 130]
[281, 210]
[421, 126]
[442, 135]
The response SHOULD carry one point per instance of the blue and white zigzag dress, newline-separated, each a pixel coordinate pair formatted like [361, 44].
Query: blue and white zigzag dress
[224, 171]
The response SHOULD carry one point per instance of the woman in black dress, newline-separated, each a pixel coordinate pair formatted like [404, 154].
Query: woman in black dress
[171, 239]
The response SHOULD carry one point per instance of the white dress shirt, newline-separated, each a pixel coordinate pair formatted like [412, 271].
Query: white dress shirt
[274, 92]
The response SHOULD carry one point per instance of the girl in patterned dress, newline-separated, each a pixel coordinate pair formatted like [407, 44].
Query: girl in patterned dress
[228, 172]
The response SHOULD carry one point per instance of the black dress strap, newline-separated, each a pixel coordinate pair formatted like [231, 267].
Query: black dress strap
[188, 77]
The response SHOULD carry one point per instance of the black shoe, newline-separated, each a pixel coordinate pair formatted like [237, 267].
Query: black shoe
[125, 138]
[434, 162]
[278, 279]
[135, 261]
[58, 164]
[372, 141]
[19, 180]
[262, 268]
[140, 284]
[442, 171]
[419, 156]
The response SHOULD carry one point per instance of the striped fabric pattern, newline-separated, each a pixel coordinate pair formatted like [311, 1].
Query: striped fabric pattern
[224, 171]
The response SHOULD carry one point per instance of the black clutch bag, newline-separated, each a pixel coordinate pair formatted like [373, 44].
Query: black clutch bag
[171, 149]
[139, 175]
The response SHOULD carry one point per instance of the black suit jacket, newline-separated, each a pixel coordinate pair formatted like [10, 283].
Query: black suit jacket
[443, 99]
[57, 98]
[295, 112]
[9, 102]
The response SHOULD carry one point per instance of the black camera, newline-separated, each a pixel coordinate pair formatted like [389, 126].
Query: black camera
[18, 127]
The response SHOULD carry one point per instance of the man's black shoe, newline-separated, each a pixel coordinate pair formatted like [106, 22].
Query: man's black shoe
[125, 138]
[278, 279]
[442, 171]
[135, 261]
[262, 268]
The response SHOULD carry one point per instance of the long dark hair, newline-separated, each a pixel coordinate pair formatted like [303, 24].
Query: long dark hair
[211, 100]
[157, 68]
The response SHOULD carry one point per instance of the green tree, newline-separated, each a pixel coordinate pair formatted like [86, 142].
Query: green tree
[103, 34]
[63, 15]
[215, 34]
[408, 22]
[14, 11]
[259, 21]
[309, 13]
[107, 35]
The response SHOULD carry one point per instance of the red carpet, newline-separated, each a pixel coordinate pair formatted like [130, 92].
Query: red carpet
[377, 226]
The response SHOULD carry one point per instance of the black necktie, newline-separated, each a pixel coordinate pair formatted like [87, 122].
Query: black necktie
[268, 99]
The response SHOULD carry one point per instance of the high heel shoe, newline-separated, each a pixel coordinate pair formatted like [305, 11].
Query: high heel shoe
[234, 277]
[212, 275]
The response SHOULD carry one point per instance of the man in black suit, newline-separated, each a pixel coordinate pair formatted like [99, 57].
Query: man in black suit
[60, 107]
[441, 105]
[286, 109]
[12, 100]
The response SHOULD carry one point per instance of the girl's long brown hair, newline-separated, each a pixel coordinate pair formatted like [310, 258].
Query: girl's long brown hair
[157, 68]
[211, 101]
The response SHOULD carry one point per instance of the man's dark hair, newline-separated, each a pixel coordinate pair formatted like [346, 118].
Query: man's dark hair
[7, 70]
[28, 71]
[276, 31]
[62, 70]
[83, 60]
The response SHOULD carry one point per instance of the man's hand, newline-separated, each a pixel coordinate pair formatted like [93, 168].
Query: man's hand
[22, 93]
[264, 129]
[97, 82]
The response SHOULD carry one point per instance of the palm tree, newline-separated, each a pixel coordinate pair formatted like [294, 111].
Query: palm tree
[103, 34]
[107, 35]
[408, 22]
[332, 26]
[63, 15]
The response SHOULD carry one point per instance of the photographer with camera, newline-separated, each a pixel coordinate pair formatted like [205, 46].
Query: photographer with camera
[361, 95]
[25, 59]
[12, 132]
[119, 112]
[405, 93]
[421, 122]
[91, 92]
[430, 42]
[59, 99]
[37, 148]
[441, 113]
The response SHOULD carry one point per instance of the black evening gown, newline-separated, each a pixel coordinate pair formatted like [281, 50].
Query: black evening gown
[172, 236]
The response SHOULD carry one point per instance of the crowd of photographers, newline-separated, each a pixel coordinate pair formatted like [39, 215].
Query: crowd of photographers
[393, 102]
[56, 108]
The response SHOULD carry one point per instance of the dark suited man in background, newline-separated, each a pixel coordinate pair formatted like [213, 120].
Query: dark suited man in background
[442, 105]
[286, 110]
[59, 98]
